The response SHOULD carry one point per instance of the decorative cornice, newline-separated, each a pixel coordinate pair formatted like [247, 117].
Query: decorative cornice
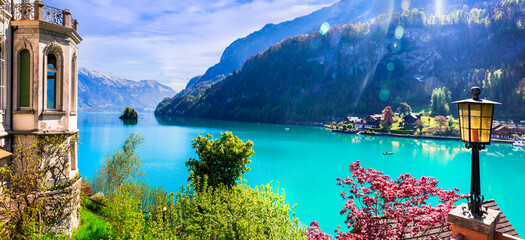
[35, 24]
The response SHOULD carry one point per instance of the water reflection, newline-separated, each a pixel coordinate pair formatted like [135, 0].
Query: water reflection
[129, 121]
[307, 160]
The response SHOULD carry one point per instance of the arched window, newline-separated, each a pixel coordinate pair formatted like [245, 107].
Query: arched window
[24, 89]
[51, 82]
[74, 76]
[2, 83]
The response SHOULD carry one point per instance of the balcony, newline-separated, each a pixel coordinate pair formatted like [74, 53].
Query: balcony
[41, 12]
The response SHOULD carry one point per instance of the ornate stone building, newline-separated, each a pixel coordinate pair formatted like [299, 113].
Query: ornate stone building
[38, 83]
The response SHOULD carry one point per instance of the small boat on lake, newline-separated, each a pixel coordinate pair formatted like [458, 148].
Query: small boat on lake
[519, 144]
[388, 153]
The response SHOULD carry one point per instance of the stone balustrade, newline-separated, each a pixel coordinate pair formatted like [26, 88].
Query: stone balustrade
[38, 11]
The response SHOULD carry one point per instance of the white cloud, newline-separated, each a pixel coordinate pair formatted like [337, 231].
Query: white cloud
[170, 41]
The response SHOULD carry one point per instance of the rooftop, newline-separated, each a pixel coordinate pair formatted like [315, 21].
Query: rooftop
[38, 11]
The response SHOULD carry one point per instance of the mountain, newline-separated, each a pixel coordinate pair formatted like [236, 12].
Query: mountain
[105, 92]
[361, 68]
[342, 12]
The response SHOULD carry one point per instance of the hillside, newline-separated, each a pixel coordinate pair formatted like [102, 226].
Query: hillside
[104, 92]
[342, 12]
[362, 68]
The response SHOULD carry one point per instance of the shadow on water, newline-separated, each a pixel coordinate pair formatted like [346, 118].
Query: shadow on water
[129, 121]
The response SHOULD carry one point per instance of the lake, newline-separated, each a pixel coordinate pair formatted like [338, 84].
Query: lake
[306, 161]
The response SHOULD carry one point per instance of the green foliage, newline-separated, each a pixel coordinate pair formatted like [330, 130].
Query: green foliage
[36, 163]
[126, 215]
[139, 211]
[121, 167]
[419, 126]
[239, 212]
[221, 161]
[129, 113]
[404, 109]
[348, 126]
[91, 227]
[439, 101]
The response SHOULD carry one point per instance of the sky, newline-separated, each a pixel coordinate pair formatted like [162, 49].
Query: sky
[170, 41]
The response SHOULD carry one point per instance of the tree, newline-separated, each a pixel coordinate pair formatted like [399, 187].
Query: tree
[378, 207]
[451, 121]
[221, 161]
[237, 212]
[388, 118]
[441, 121]
[439, 101]
[120, 168]
[420, 126]
[129, 113]
[404, 109]
[29, 204]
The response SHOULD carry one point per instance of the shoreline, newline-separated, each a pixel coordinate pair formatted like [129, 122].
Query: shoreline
[433, 137]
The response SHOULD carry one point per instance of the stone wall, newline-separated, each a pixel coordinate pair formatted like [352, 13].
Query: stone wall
[63, 206]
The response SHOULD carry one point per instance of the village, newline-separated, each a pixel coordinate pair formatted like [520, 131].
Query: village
[422, 125]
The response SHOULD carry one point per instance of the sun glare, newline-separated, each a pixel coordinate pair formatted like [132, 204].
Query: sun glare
[439, 7]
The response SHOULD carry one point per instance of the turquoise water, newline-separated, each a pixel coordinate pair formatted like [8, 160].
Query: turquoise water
[307, 160]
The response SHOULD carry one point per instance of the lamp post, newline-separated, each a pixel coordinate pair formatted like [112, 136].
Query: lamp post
[475, 121]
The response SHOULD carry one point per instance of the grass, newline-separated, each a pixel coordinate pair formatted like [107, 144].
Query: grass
[91, 227]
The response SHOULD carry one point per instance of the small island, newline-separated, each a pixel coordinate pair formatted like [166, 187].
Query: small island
[129, 116]
[129, 113]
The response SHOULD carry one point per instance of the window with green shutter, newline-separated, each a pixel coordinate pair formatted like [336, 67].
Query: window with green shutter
[24, 90]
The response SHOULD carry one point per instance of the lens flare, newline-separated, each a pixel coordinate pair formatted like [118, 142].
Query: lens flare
[324, 28]
[400, 31]
[390, 66]
[384, 95]
[439, 8]
[396, 47]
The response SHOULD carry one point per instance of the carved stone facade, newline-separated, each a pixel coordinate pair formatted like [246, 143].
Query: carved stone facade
[38, 83]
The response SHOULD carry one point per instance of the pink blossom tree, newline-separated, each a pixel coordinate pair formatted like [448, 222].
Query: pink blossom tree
[378, 207]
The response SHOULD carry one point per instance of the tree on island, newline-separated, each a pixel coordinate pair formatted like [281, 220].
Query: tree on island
[378, 207]
[388, 118]
[129, 113]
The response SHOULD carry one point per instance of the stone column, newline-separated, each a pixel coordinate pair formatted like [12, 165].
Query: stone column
[39, 10]
[67, 18]
[75, 24]
[472, 227]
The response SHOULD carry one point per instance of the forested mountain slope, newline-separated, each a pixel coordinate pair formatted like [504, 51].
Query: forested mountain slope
[362, 68]
[342, 12]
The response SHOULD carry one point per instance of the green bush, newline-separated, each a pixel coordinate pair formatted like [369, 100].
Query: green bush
[222, 211]
[239, 212]
[127, 219]
[221, 161]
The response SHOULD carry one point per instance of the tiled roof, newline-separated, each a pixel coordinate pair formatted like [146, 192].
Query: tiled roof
[503, 226]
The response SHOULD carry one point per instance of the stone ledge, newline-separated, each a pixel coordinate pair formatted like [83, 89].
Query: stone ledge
[485, 224]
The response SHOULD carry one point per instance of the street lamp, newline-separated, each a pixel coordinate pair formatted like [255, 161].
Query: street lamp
[475, 121]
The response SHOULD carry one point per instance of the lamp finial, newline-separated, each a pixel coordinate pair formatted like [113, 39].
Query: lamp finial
[475, 91]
